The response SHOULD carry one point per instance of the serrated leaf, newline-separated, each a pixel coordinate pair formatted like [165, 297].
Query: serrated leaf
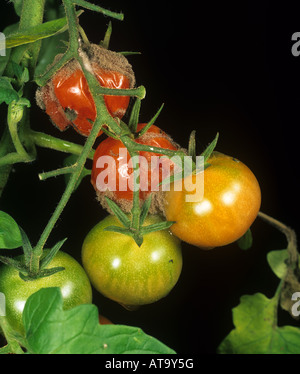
[245, 242]
[7, 92]
[52, 330]
[10, 235]
[256, 330]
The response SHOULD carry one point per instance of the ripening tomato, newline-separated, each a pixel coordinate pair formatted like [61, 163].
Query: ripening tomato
[73, 282]
[221, 212]
[126, 273]
[112, 166]
[67, 98]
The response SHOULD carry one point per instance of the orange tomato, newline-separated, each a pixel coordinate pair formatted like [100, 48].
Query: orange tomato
[228, 201]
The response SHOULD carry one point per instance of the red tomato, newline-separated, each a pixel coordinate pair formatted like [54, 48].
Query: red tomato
[117, 176]
[67, 98]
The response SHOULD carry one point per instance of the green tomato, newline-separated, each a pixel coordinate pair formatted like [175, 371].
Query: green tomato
[126, 273]
[73, 282]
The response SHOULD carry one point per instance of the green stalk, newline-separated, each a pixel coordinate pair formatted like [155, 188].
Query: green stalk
[102, 117]
[6, 146]
[51, 142]
[38, 250]
[290, 237]
[32, 15]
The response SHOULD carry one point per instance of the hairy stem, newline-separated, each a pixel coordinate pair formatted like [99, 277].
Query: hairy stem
[290, 237]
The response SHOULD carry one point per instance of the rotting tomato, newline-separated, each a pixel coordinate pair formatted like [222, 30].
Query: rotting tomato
[67, 98]
[73, 282]
[228, 206]
[126, 273]
[114, 178]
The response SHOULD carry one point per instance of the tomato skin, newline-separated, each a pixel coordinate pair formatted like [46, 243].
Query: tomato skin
[73, 93]
[126, 273]
[73, 281]
[124, 172]
[230, 204]
[66, 98]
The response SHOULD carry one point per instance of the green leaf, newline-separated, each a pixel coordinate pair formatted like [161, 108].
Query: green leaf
[4, 59]
[245, 242]
[52, 330]
[32, 34]
[7, 93]
[10, 235]
[256, 330]
[277, 261]
[49, 49]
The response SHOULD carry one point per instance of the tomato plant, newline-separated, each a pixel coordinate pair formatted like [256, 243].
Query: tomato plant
[127, 273]
[73, 282]
[229, 201]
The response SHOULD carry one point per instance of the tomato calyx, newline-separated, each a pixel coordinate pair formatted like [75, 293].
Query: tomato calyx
[134, 227]
[30, 266]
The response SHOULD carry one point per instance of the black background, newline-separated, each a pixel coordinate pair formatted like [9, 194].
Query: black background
[222, 67]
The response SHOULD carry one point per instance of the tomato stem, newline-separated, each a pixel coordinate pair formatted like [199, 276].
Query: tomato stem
[290, 237]
[57, 144]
